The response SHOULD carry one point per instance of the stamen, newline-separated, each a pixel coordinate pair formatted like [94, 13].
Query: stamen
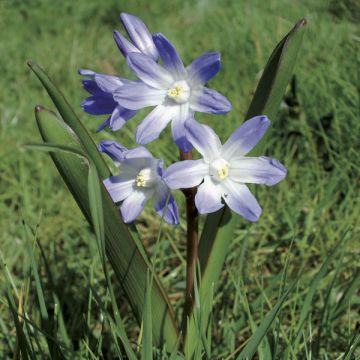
[147, 177]
[179, 92]
[219, 169]
[175, 91]
[140, 180]
[223, 172]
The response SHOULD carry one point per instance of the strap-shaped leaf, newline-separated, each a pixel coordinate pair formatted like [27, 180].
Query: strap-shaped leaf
[129, 263]
[70, 118]
[277, 73]
[219, 227]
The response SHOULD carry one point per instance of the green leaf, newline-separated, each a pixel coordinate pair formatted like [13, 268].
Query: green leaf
[219, 227]
[70, 118]
[22, 344]
[123, 251]
[117, 328]
[345, 299]
[147, 341]
[353, 345]
[255, 340]
[47, 322]
[307, 304]
[277, 74]
[96, 210]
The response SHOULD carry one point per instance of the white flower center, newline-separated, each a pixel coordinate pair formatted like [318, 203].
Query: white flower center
[147, 177]
[219, 169]
[179, 92]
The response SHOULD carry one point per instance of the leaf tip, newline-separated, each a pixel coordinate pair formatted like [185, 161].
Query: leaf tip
[30, 63]
[39, 108]
[301, 22]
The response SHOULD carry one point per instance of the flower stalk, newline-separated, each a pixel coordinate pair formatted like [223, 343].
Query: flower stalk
[192, 245]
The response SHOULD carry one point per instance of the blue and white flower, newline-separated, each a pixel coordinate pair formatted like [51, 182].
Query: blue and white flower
[140, 36]
[102, 87]
[140, 180]
[224, 169]
[101, 102]
[175, 91]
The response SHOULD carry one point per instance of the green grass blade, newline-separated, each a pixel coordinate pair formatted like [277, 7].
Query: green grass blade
[127, 260]
[347, 295]
[325, 312]
[117, 327]
[219, 227]
[255, 340]
[47, 322]
[307, 304]
[175, 353]
[22, 341]
[355, 341]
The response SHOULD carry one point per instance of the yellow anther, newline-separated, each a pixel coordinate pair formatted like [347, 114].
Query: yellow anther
[147, 178]
[219, 169]
[179, 92]
[223, 172]
[175, 91]
[140, 180]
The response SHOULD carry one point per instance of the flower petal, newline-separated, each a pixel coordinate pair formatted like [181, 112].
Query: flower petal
[239, 199]
[119, 117]
[138, 152]
[204, 139]
[140, 35]
[130, 161]
[137, 95]
[162, 194]
[90, 86]
[108, 83]
[134, 204]
[119, 187]
[169, 56]
[105, 124]
[104, 82]
[245, 137]
[149, 71]
[99, 104]
[185, 174]
[257, 170]
[113, 149]
[154, 123]
[208, 197]
[178, 127]
[205, 67]
[209, 101]
[86, 72]
[124, 45]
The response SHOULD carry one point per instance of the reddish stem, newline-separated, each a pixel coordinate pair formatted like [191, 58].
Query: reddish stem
[192, 220]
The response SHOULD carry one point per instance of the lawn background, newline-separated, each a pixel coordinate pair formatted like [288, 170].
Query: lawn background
[316, 135]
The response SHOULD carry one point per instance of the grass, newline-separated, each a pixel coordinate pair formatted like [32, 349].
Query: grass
[315, 135]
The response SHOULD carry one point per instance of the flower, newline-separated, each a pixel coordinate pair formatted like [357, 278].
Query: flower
[102, 87]
[140, 36]
[176, 91]
[101, 102]
[224, 169]
[140, 179]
